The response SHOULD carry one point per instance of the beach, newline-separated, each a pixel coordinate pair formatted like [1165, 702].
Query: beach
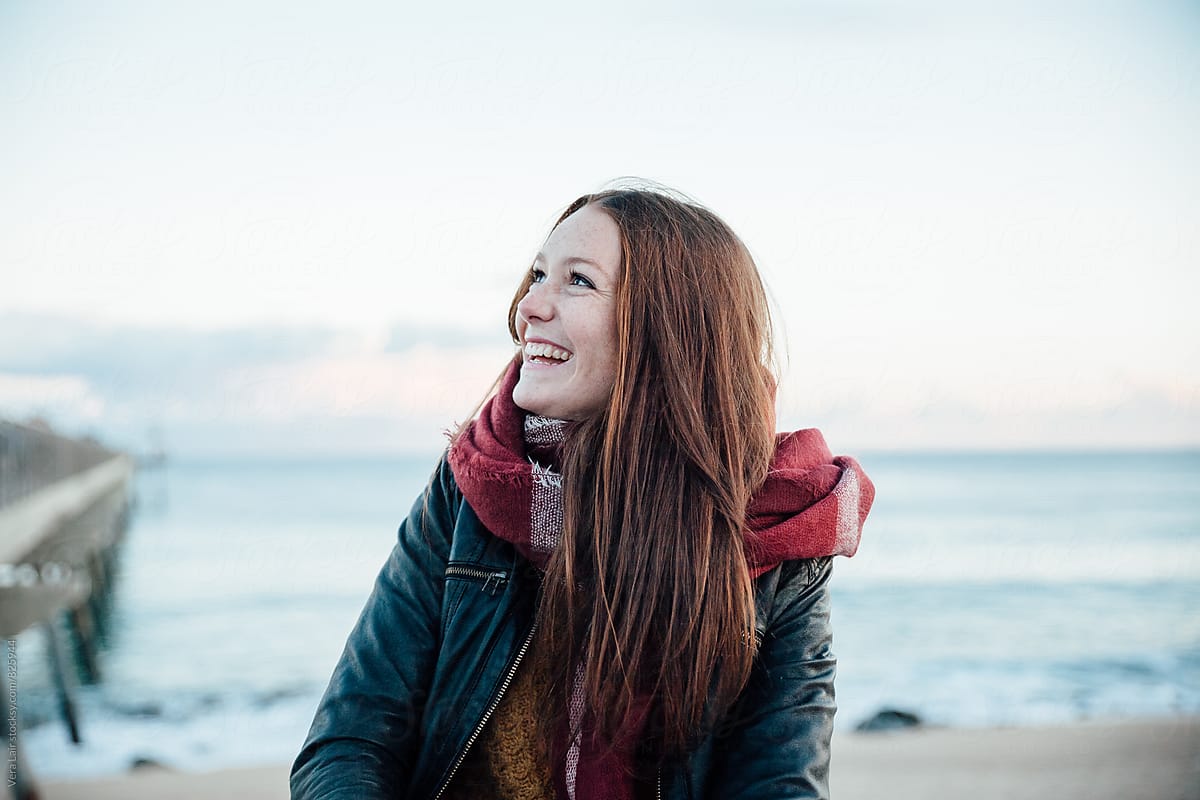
[999, 622]
[1156, 759]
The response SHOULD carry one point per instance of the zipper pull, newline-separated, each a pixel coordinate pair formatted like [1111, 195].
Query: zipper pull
[495, 582]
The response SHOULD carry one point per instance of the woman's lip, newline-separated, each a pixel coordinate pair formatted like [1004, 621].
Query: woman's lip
[529, 362]
[536, 340]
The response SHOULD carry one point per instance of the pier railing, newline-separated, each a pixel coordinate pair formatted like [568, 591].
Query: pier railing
[32, 459]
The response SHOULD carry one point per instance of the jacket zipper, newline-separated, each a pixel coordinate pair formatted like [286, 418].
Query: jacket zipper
[493, 580]
[658, 783]
[512, 670]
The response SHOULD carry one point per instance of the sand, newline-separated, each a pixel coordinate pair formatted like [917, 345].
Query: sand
[1146, 759]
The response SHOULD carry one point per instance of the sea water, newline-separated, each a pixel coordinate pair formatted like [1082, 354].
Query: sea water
[989, 589]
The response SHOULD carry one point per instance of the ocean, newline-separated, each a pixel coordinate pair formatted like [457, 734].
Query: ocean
[989, 589]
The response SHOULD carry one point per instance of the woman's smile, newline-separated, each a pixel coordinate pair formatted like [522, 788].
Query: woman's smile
[540, 352]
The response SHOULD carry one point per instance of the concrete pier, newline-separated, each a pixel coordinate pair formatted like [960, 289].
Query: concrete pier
[63, 509]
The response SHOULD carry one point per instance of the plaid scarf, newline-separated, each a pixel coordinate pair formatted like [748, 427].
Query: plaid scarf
[812, 504]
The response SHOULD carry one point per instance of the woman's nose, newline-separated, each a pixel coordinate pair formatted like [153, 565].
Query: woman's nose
[537, 303]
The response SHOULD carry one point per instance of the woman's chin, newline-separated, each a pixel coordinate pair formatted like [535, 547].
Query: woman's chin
[531, 401]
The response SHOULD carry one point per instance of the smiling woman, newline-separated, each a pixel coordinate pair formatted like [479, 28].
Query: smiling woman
[616, 583]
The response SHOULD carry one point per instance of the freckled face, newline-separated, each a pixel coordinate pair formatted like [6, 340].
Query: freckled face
[567, 322]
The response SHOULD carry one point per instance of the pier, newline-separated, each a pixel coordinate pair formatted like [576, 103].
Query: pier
[64, 506]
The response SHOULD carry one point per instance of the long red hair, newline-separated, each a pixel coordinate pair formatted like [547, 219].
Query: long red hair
[650, 588]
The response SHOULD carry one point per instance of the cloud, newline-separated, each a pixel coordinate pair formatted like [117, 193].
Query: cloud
[55, 396]
[404, 336]
[251, 389]
[308, 389]
[1126, 416]
[132, 358]
[423, 381]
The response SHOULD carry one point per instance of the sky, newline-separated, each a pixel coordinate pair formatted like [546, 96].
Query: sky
[275, 228]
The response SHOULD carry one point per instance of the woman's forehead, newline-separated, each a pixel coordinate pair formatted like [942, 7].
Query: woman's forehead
[589, 236]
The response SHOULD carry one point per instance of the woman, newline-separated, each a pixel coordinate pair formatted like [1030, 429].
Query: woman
[616, 583]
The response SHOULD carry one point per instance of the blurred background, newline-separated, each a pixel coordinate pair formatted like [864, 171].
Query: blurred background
[256, 257]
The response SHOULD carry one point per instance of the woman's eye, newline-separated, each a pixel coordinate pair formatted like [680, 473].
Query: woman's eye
[539, 276]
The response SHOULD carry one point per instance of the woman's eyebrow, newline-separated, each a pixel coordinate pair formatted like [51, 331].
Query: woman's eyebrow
[572, 260]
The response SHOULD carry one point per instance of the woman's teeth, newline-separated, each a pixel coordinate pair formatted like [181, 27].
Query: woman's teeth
[546, 352]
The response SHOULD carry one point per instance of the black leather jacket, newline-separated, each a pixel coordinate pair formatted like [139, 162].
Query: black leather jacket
[447, 624]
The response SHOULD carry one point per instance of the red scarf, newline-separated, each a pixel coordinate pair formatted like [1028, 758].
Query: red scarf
[812, 504]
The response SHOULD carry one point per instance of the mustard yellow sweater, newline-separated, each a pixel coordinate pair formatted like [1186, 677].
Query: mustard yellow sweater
[504, 763]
